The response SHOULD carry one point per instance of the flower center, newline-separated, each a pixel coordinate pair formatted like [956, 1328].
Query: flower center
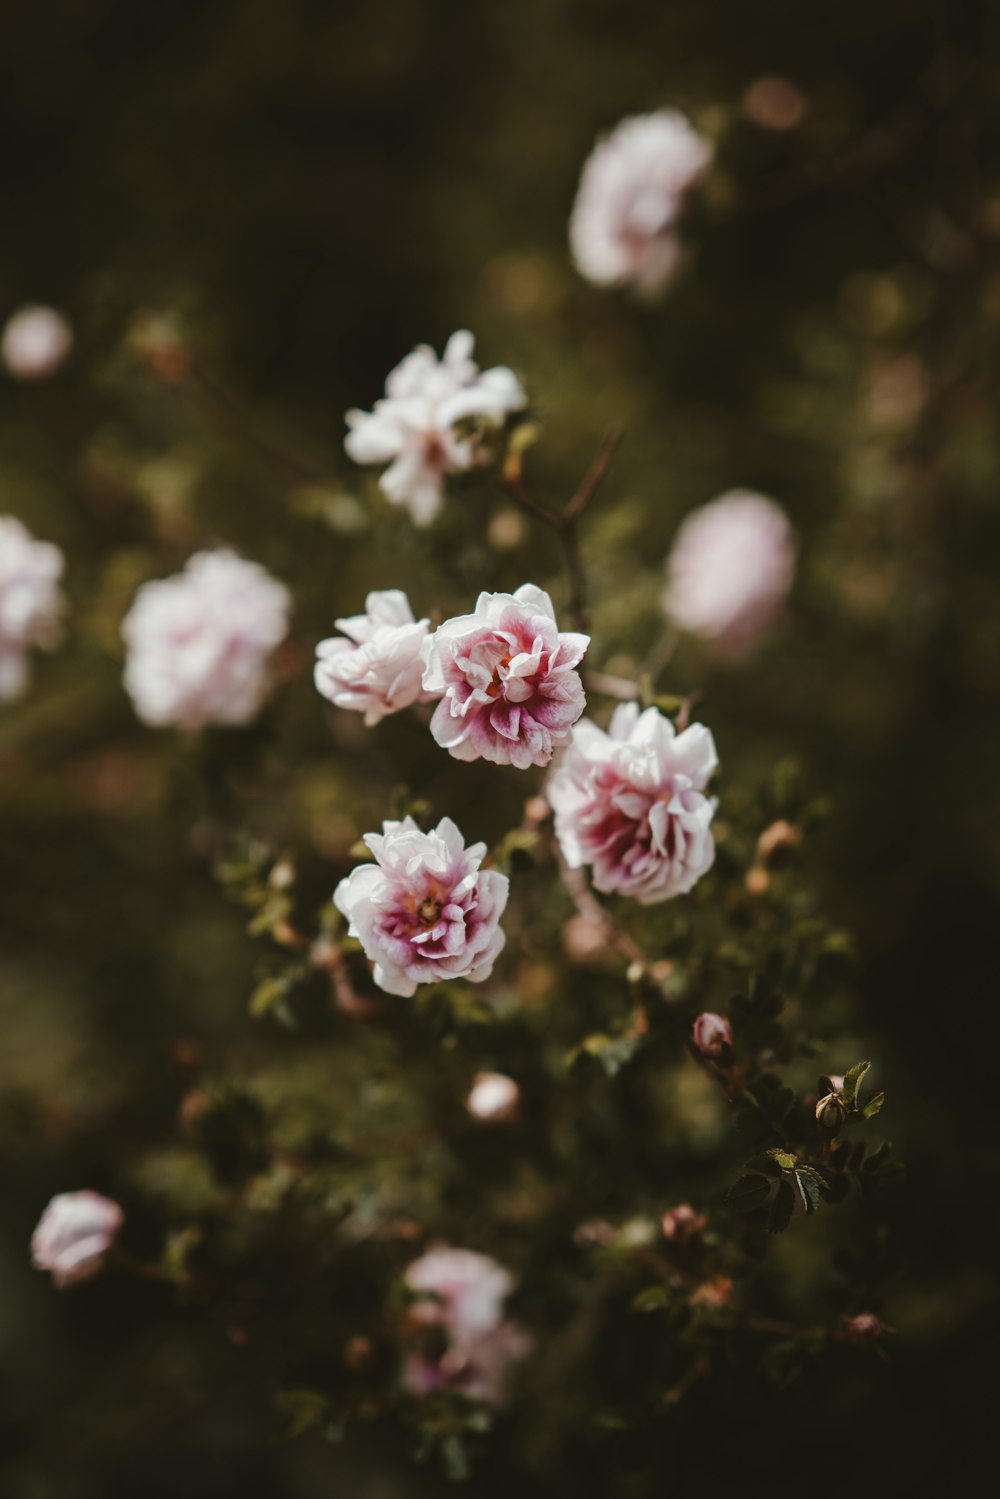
[429, 911]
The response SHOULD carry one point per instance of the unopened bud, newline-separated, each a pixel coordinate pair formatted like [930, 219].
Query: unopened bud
[831, 1112]
[862, 1329]
[714, 1293]
[682, 1224]
[712, 1035]
[779, 836]
[494, 1098]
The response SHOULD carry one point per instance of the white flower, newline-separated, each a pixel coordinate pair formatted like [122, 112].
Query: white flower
[493, 1098]
[378, 669]
[730, 570]
[413, 428]
[199, 643]
[34, 343]
[424, 911]
[462, 1294]
[631, 803]
[623, 227]
[30, 601]
[74, 1234]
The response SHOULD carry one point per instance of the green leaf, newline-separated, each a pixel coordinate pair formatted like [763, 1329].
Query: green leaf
[783, 1159]
[302, 1410]
[782, 1208]
[852, 1082]
[453, 1455]
[873, 1106]
[749, 1193]
[652, 1299]
[808, 1185]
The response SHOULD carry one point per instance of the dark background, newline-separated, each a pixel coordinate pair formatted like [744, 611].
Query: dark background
[307, 190]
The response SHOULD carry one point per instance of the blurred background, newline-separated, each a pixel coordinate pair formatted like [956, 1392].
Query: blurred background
[296, 192]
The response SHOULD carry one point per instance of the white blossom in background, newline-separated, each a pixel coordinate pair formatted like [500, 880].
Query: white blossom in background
[35, 342]
[199, 644]
[461, 1294]
[74, 1234]
[414, 427]
[631, 804]
[730, 570]
[377, 668]
[424, 911]
[507, 679]
[623, 228]
[31, 602]
[493, 1098]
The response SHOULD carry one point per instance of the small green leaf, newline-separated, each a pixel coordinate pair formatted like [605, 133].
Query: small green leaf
[749, 1193]
[807, 1183]
[783, 1159]
[453, 1455]
[873, 1106]
[852, 1083]
[652, 1299]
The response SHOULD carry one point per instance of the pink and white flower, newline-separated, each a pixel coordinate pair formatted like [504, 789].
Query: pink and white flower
[712, 1034]
[730, 569]
[493, 1098]
[507, 679]
[74, 1234]
[623, 228]
[631, 803]
[30, 602]
[199, 644]
[35, 342]
[424, 911]
[377, 670]
[415, 427]
[462, 1294]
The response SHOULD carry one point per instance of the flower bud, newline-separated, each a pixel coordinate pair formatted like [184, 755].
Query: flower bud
[712, 1035]
[861, 1329]
[831, 1112]
[74, 1234]
[682, 1224]
[494, 1098]
[713, 1294]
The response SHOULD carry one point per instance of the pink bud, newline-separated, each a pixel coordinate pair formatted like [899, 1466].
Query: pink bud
[712, 1034]
[494, 1098]
[74, 1234]
[682, 1224]
[863, 1328]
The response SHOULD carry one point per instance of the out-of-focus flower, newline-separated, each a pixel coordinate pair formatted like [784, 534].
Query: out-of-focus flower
[461, 1294]
[34, 343]
[507, 679]
[424, 910]
[378, 668]
[682, 1224]
[713, 1294]
[774, 103]
[712, 1034]
[631, 803]
[30, 601]
[730, 570]
[863, 1328]
[494, 1098]
[777, 837]
[623, 228]
[74, 1234]
[199, 644]
[430, 422]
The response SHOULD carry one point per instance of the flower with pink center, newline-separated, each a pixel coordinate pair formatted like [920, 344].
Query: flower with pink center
[460, 1295]
[199, 645]
[377, 669]
[424, 911]
[430, 422]
[74, 1234]
[507, 679]
[623, 229]
[730, 569]
[712, 1034]
[30, 602]
[631, 803]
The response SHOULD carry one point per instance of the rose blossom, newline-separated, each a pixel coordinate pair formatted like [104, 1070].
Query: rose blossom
[682, 1224]
[507, 680]
[462, 1294]
[30, 601]
[493, 1098]
[712, 1034]
[377, 670]
[631, 803]
[623, 226]
[413, 428]
[424, 911]
[34, 343]
[730, 569]
[199, 643]
[74, 1234]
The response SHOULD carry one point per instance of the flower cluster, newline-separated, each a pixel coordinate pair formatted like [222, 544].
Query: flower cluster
[199, 644]
[461, 1295]
[30, 601]
[429, 422]
[74, 1234]
[377, 669]
[424, 911]
[623, 229]
[631, 803]
[730, 569]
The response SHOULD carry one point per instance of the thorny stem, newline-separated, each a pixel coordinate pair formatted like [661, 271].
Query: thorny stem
[565, 522]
